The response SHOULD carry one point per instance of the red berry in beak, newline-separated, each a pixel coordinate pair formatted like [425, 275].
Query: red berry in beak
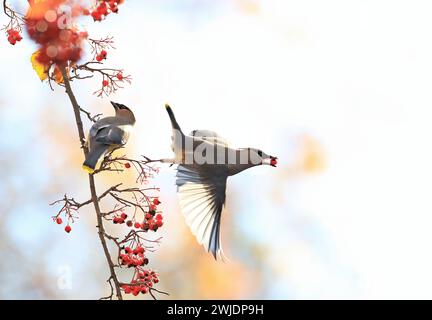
[273, 162]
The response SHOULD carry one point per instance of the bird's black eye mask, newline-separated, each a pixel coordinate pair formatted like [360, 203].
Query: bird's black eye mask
[260, 153]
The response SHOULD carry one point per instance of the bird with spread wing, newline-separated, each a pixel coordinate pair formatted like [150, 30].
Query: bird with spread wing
[205, 161]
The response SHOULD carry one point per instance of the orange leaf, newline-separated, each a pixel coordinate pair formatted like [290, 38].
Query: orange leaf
[57, 75]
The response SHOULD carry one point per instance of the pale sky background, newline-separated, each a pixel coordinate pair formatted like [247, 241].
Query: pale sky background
[352, 76]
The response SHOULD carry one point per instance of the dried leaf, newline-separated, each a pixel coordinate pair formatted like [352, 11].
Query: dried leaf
[57, 75]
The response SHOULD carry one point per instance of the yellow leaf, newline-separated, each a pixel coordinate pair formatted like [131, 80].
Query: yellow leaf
[40, 68]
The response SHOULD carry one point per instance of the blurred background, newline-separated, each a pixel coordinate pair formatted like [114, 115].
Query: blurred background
[338, 90]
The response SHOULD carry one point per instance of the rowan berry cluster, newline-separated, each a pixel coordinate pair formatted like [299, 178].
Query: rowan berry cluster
[142, 282]
[59, 39]
[133, 257]
[59, 221]
[101, 56]
[14, 36]
[152, 220]
[103, 8]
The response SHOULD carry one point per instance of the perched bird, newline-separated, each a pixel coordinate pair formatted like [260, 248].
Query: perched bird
[205, 161]
[108, 134]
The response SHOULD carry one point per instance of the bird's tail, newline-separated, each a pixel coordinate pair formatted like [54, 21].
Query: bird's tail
[93, 157]
[174, 123]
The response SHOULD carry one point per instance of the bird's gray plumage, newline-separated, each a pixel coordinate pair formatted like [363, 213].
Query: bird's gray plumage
[201, 187]
[209, 136]
[108, 134]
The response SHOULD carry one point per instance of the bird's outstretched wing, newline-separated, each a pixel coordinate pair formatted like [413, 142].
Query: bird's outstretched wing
[201, 192]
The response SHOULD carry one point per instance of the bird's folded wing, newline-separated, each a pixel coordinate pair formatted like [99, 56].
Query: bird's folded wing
[111, 136]
[201, 192]
[209, 136]
[99, 126]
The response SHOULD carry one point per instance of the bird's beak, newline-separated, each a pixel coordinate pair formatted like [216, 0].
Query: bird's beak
[271, 161]
[114, 105]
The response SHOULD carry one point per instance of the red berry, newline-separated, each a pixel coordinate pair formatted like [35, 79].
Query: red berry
[125, 260]
[99, 58]
[128, 250]
[97, 16]
[129, 223]
[68, 229]
[159, 217]
[127, 165]
[148, 216]
[144, 290]
[104, 53]
[137, 225]
[273, 162]
[123, 216]
[59, 220]
[127, 289]
[105, 83]
[156, 202]
[159, 223]
[120, 76]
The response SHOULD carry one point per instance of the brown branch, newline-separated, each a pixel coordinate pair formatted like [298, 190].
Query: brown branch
[95, 199]
[6, 9]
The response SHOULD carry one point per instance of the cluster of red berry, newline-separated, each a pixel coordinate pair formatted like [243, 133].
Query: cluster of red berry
[133, 257]
[104, 7]
[142, 283]
[120, 219]
[101, 56]
[59, 221]
[152, 220]
[59, 39]
[13, 36]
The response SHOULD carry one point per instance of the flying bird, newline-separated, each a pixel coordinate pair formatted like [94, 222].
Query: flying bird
[205, 161]
[108, 134]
